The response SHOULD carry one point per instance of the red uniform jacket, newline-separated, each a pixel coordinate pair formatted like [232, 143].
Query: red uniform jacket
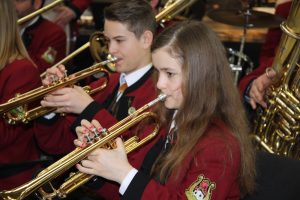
[268, 49]
[135, 96]
[81, 4]
[17, 143]
[210, 171]
[45, 42]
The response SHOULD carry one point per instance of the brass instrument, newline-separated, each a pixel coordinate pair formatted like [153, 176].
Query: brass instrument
[97, 43]
[68, 161]
[16, 109]
[171, 9]
[98, 48]
[39, 11]
[61, 166]
[277, 128]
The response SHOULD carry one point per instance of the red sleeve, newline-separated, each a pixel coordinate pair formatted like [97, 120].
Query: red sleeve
[222, 178]
[17, 142]
[212, 171]
[48, 45]
[13, 80]
[283, 9]
[81, 4]
[54, 136]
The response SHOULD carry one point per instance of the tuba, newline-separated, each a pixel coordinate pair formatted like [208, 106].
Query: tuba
[277, 128]
[105, 140]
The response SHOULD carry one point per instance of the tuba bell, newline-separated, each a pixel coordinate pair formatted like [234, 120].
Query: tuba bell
[277, 128]
[104, 139]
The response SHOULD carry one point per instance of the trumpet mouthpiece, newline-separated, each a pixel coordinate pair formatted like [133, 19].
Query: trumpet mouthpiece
[162, 96]
[112, 58]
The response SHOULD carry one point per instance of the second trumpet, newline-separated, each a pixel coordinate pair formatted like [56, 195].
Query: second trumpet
[17, 109]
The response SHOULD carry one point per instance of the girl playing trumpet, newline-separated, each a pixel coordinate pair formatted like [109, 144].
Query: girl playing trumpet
[207, 153]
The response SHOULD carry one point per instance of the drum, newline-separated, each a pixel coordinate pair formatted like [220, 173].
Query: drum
[239, 63]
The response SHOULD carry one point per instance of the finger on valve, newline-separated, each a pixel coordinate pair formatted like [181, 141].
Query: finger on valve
[88, 131]
[54, 74]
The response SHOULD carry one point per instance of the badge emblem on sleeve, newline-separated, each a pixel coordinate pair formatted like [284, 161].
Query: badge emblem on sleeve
[201, 189]
[131, 110]
[49, 55]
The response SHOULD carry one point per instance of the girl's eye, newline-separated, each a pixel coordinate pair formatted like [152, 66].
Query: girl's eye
[170, 74]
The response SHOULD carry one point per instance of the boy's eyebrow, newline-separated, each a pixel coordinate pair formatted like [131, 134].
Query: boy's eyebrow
[118, 37]
[115, 37]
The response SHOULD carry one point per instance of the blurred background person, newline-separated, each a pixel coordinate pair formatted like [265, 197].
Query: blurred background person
[44, 40]
[66, 15]
[18, 74]
[71, 10]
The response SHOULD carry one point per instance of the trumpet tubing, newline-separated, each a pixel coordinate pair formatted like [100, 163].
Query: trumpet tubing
[68, 161]
[172, 8]
[98, 47]
[15, 110]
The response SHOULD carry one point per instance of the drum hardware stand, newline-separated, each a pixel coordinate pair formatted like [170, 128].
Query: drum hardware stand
[238, 67]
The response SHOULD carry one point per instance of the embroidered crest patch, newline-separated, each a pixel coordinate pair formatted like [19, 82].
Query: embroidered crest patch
[131, 110]
[201, 189]
[50, 55]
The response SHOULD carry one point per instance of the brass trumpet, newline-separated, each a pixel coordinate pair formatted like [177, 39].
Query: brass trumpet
[68, 161]
[98, 48]
[98, 45]
[16, 109]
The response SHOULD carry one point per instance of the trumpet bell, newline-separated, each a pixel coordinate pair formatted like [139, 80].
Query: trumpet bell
[99, 49]
[15, 110]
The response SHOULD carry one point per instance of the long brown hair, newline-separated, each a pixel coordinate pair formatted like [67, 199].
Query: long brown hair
[11, 44]
[208, 92]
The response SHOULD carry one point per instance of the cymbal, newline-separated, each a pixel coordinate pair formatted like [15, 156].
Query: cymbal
[257, 19]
